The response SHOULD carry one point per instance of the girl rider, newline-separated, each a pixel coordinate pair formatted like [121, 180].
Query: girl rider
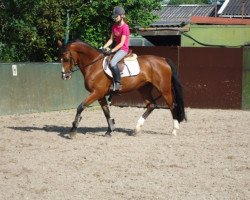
[120, 34]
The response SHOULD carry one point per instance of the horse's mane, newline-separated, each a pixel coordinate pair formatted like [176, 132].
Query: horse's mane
[84, 43]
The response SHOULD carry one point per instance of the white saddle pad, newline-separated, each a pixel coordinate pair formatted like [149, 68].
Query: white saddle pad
[131, 68]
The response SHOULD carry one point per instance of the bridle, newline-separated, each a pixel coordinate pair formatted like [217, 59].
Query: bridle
[75, 65]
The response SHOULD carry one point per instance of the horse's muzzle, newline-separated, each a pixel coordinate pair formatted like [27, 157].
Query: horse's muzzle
[66, 76]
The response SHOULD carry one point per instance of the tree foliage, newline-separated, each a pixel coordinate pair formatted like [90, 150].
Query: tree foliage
[29, 29]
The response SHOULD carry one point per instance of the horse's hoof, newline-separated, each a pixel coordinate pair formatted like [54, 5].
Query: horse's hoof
[133, 133]
[137, 131]
[174, 132]
[72, 134]
[107, 134]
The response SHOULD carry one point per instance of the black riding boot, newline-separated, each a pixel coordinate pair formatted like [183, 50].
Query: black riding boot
[117, 78]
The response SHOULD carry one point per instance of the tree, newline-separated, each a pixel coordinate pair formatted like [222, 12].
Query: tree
[30, 28]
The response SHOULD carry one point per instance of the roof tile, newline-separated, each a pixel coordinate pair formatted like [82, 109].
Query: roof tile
[180, 14]
[233, 8]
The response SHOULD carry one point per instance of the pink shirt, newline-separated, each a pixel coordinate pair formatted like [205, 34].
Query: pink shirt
[118, 32]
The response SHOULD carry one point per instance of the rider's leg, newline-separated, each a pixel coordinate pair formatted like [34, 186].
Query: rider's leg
[116, 77]
[115, 70]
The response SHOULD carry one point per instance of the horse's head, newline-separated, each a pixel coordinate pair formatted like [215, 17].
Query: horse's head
[79, 54]
[68, 59]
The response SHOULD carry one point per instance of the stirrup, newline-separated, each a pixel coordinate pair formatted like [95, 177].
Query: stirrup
[115, 87]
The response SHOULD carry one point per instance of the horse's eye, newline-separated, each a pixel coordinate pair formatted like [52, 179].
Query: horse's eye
[64, 60]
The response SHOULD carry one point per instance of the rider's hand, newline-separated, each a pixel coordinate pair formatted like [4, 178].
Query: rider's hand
[109, 52]
[106, 51]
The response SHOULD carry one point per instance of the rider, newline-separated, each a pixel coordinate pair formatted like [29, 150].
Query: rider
[120, 33]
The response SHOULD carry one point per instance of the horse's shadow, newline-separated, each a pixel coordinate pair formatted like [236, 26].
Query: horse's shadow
[63, 131]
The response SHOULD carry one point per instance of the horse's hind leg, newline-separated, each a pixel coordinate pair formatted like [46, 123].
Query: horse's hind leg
[176, 126]
[166, 90]
[150, 108]
[146, 93]
[168, 96]
[111, 122]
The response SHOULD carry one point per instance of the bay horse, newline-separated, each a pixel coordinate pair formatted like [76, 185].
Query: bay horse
[155, 72]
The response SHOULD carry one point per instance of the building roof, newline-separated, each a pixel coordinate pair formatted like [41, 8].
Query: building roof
[179, 15]
[235, 8]
[219, 20]
[175, 19]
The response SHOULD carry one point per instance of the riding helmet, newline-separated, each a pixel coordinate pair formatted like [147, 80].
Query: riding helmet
[118, 10]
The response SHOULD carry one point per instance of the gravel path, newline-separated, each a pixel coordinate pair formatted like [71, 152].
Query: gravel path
[208, 159]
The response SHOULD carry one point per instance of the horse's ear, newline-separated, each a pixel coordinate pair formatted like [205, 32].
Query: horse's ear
[59, 42]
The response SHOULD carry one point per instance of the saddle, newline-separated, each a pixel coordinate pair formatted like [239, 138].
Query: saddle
[129, 57]
[128, 66]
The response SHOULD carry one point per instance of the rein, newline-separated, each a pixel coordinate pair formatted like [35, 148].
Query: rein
[97, 59]
[75, 63]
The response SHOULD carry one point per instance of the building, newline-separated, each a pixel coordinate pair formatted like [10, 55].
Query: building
[196, 26]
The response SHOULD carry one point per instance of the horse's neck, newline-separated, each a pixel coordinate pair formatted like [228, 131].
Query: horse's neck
[87, 55]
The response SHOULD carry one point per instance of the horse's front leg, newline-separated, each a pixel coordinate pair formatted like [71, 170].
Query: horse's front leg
[103, 103]
[89, 100]
[77, 120]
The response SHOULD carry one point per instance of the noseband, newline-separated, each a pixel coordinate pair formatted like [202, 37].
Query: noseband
[72, 62]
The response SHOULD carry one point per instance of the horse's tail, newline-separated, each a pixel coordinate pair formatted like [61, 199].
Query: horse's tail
[178, 95]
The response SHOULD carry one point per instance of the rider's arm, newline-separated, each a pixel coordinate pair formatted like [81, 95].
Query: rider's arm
[109, 42]
[118, 46]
